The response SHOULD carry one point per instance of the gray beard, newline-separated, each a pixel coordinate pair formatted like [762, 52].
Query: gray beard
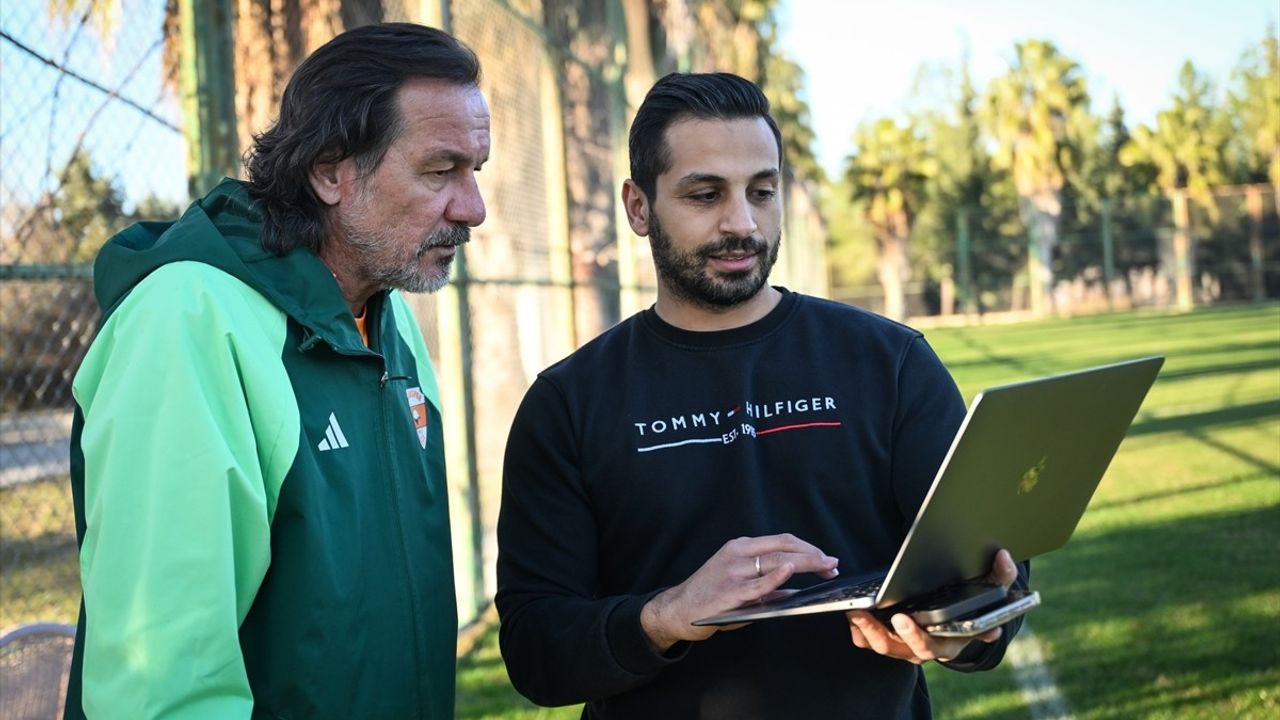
[408, 277]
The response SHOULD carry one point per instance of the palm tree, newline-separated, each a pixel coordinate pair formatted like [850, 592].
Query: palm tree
[1185, 148]
[1255, 102]
[888, 173]
[1033, 112]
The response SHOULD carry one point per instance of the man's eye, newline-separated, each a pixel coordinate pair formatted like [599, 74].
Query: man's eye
[766, 193]
[706, 197]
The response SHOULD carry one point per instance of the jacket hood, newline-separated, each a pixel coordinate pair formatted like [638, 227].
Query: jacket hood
[222, 229]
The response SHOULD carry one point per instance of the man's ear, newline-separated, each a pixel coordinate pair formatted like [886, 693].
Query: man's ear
[326, 180]
[637, 207]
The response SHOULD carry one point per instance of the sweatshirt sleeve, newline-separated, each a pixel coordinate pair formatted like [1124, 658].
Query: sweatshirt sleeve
[930, 411]
[187, 436]
[561, 643]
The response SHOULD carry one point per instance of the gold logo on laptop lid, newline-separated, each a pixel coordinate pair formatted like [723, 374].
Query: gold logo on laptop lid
[1031, 477]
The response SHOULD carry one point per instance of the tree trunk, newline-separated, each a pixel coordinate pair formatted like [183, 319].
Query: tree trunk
[272, 37]
[1253, 201]
[892, 267]
[1183, 260]
[590, 116]
[1041, 212]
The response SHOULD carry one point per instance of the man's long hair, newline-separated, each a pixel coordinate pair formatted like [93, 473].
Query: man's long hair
[342, 102]
[681, 96]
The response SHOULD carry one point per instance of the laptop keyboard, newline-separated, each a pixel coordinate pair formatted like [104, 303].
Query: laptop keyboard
[811, 596]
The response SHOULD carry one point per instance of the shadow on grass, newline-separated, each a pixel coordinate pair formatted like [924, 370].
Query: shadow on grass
[1223, 484]
[27, 552]
[1153, 620]
[1174, 335]
[1224, 368]
[1233, 415]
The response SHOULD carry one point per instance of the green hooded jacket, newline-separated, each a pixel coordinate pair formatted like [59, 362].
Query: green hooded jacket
[260, 498]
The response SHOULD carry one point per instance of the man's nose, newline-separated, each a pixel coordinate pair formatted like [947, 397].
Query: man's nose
[467, 206]
[738, 220]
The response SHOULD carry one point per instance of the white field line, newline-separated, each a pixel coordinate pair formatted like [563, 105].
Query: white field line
[1026, 656]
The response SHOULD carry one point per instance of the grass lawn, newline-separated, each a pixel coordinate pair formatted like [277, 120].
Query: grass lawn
[1166, 601]
[39, 572]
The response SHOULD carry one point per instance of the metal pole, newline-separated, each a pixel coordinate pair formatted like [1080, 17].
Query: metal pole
[1253, 202]
[1108, 251]
[208, 93]
[466, 347]
[963, 262]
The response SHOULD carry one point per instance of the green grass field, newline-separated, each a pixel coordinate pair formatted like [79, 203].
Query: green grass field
[1166, 601]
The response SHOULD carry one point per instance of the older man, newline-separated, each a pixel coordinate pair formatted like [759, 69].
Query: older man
[257, 464]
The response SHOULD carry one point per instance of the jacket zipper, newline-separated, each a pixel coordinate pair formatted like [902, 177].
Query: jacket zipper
[392, 478]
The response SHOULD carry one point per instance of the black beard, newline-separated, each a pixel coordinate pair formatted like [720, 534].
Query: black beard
[686, 275]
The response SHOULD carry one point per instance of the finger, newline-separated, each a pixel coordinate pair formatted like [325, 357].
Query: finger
[784, 543]
[878, 637]
[767, 583]
[916, 639]
[824, 565]
[857, 620]
[855, 634]
[1003, 569]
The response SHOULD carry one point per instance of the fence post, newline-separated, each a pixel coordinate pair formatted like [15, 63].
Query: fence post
[615, 75]
[1184, 261]
[457, 394]
[1108, 252]
[1036, 289]
[559, 246]
[208, 93]
[964, 268]
[1253, 201]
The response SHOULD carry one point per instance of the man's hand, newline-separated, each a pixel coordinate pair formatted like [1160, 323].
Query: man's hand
[908, 641]
[742, 571]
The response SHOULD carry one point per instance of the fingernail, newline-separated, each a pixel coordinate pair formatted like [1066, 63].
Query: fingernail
[835, 571]
[900, 623]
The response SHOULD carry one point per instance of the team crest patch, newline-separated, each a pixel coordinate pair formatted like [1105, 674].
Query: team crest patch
[418, 408]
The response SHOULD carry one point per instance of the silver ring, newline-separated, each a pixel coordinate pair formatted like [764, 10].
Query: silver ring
[759, 572]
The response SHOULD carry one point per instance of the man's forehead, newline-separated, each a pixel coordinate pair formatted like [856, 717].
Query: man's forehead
[436, 99]
[707, 150]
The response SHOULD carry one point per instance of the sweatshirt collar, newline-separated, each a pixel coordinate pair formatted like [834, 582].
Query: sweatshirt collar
[722, 339]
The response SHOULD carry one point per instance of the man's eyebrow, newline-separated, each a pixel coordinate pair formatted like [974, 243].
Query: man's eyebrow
[712, 179]
[698, 179]
[452, 157]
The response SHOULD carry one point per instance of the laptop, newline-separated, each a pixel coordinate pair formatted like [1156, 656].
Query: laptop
[1020, 472]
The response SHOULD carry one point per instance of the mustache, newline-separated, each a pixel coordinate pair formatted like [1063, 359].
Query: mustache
[451, 236]
[734, 244]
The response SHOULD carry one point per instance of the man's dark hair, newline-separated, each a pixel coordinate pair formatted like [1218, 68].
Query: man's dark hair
[682, 96]
[342, 102]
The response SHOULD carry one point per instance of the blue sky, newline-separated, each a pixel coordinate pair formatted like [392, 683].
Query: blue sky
[861, 57]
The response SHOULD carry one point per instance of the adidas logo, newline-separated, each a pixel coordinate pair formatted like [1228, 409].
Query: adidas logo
[333, 437]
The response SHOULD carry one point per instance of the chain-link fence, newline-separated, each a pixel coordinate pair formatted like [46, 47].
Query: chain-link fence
[90, 141]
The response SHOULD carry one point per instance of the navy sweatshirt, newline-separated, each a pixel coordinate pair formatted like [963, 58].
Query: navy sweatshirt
[632, 461]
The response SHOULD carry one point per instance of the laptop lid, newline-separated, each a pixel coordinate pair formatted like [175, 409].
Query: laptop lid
[1020, 473]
